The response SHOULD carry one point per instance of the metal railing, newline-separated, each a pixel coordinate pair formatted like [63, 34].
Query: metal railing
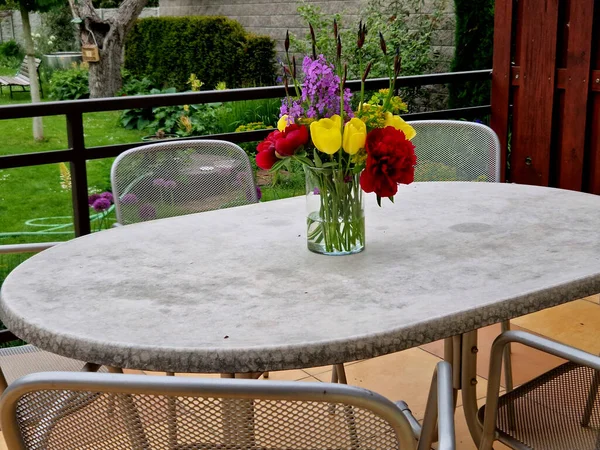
[77, 153]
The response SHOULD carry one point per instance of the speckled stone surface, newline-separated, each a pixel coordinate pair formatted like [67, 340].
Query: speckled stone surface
[236, 290]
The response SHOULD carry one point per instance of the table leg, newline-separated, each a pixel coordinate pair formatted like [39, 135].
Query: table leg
[469, 384]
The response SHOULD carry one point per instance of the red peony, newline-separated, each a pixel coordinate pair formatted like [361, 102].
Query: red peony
[391, 160]
[292, 138]
[265, 158]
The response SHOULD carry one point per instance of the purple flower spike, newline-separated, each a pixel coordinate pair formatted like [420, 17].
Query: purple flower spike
[129, 199]
[147, 212]
[108, 196]
[169, 184]
[158, 182]
[92, 198]
[101, 204]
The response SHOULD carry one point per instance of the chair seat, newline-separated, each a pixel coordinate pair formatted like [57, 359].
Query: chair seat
[17, 362]
[548, 412]
[15, 81]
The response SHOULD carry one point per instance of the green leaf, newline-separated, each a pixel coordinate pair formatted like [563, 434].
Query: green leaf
[391, 197]
[379, 200]
[318, 162]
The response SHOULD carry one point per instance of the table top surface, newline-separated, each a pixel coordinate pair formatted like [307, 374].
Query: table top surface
[236, 290]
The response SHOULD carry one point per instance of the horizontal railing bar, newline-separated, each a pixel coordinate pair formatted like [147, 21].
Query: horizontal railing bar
[110, 151]
[229, 95]
[458, 113]
[35, 159]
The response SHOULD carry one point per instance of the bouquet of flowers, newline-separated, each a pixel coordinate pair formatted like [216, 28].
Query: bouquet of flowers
[343, 151]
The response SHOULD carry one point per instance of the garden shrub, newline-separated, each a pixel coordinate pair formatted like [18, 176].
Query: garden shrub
[70, 84]
[474, 50]
[216, 49]
[58, 29]
[11, 49]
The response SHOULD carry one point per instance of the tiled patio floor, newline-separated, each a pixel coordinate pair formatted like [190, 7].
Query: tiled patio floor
[406, 375]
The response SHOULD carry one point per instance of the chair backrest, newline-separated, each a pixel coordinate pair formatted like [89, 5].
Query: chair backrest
[452, 150]
[24, 68]
[66, 410]
[180, 177]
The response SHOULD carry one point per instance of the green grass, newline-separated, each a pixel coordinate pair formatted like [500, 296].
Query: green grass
[35, 192]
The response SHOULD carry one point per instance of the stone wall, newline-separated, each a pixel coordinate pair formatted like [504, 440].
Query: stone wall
[12, 28]
[274, 17]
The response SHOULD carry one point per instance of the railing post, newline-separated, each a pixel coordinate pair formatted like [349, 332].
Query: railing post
[79, 185]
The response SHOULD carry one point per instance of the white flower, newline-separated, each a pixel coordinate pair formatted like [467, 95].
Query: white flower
[52, 38]
[49, 42]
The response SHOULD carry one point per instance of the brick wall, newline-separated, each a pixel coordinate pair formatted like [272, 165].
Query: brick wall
[274, 17]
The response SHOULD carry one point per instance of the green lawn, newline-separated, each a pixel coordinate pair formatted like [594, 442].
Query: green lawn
[35, 192]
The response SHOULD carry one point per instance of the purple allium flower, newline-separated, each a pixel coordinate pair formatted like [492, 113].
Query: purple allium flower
[147, 212]
[169, 184]
[101, 204]
[249, 193]
[92, 198]
[129, 199]
[158, 182]
[316, 191]
[108, 196]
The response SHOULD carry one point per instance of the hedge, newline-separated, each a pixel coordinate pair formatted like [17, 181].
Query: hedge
[169, 49]
[474, 50]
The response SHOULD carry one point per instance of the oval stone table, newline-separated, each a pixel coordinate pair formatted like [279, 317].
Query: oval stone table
[236, 290]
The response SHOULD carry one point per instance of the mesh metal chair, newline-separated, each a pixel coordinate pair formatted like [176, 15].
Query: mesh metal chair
[18, 361]
[452, 150]
[110, 411]
[559, 410]
[180, 177]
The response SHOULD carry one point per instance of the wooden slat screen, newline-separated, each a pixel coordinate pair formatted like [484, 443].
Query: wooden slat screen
[546, 91]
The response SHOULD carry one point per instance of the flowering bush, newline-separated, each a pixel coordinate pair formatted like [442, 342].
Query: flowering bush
[318, 127]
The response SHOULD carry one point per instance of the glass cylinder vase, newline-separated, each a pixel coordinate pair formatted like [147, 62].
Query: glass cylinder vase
[334, 212]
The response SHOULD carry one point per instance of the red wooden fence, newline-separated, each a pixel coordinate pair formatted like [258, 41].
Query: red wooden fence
[546, 91]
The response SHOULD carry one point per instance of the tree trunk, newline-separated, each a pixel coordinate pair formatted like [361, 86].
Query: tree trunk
[38, 128]
[105, 75]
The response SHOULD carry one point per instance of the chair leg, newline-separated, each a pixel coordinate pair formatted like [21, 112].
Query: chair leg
[508, 378]
[341, 374]
[10, 89]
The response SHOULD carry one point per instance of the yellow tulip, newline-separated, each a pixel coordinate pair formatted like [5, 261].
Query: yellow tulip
[282, 123]
[355, 135]
[327, 134]
[399, 124]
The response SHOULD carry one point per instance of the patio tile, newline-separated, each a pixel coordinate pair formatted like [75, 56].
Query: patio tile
[574, 323]
[463, 437]
[593, 298]
[399, 376]
[527, 363]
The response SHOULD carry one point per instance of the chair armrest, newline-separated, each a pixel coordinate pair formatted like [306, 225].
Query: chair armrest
[540, 343]
[440, 411]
